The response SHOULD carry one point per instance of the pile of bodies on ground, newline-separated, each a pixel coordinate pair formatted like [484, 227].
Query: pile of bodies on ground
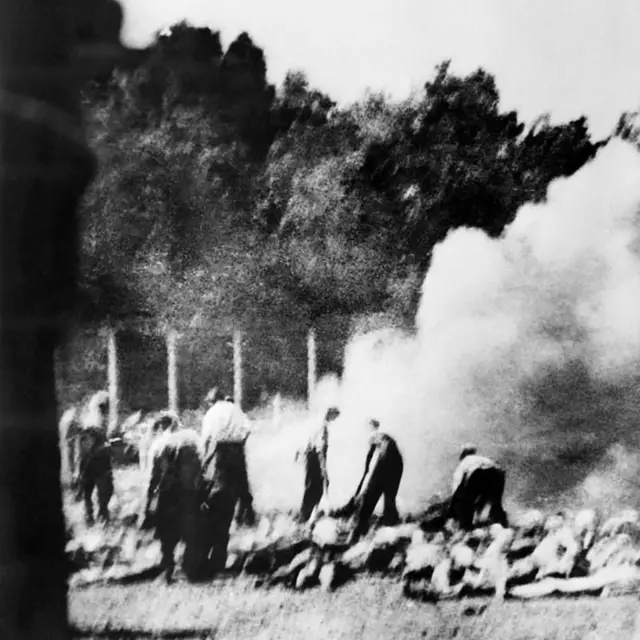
[536, 556]
[198, 480]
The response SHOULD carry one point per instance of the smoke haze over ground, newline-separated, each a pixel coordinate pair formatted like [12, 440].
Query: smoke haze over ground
[527, 346]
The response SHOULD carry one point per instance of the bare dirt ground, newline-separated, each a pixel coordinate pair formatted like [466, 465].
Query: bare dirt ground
[367, 608]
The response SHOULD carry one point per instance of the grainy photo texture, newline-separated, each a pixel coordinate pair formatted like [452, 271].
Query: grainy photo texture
[320, 321]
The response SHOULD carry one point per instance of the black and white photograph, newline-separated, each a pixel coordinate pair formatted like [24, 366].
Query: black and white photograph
[320, 321]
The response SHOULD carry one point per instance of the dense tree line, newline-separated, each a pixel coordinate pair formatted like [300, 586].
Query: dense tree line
[223, 200]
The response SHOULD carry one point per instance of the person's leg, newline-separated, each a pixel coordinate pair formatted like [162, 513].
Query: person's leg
[104, 485]
[495, 490]
[222, 505]
[370, 494]
[87, 484]
[168, 541]
[391, 477]
[198, 547]
[246, 513]
[105, 493]
[193, 530]
[463, 503]
[168, 532]
[313, 488]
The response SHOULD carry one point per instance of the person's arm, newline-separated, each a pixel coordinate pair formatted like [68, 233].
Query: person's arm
[458, 476]
[324, 451]
[367, 463]
[206, 435]
[154, 478]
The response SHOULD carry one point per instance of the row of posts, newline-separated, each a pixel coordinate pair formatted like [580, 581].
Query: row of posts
[172, 371]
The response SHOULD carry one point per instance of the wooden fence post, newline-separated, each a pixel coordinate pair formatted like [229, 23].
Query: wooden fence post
[172, 369]
[311, 366]
[237, 367]
[113, 381]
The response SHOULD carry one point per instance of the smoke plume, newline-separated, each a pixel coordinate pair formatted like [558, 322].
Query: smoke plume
[527, 345]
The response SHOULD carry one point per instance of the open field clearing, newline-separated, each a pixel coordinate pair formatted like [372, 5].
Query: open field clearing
[369, 608]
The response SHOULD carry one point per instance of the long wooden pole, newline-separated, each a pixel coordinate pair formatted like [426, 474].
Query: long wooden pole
[113, 378]
[172, 369]
[237, 367]
[311, 366]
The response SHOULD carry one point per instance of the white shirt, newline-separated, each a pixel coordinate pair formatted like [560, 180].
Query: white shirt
[224, 422]
[468, 465]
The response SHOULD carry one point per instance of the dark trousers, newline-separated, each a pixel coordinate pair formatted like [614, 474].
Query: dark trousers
[313, 485]
[176, 520]
[483, 487]
[383, 481]
[96, 473]
[245, 514]
[208, 553]
[224, 485]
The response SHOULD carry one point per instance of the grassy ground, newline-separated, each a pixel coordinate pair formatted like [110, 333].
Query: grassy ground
[368, 608]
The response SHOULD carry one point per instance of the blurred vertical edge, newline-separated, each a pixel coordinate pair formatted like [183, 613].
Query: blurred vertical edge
[47, 50]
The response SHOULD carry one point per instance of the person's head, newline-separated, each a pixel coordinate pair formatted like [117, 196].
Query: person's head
[468, 450]
[332, 414]
[100, 401]
[215, 395]
[374, 424]
[165, 421]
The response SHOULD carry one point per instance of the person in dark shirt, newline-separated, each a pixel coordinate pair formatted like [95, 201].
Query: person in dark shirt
[381, 478]
[95, 468]
[171, 499]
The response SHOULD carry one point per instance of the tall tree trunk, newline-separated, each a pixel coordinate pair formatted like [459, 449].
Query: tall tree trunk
[113, 378]
[172, 369]
[311, 366]
[237, 367]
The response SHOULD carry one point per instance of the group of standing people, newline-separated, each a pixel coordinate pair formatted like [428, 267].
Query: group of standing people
[477, 487]
[197, 482]
[383, 468]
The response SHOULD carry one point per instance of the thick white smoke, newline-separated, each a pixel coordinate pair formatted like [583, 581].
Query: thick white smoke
[527, 345]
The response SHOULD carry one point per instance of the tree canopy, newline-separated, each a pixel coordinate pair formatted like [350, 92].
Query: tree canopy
[224, 200]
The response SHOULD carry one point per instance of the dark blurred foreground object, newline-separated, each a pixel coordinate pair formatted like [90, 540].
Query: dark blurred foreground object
[47, 49]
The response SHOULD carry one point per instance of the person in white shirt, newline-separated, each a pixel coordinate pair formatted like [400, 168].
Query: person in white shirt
[478, 482]
[316, 482]
[223, 422]
[225, 429]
